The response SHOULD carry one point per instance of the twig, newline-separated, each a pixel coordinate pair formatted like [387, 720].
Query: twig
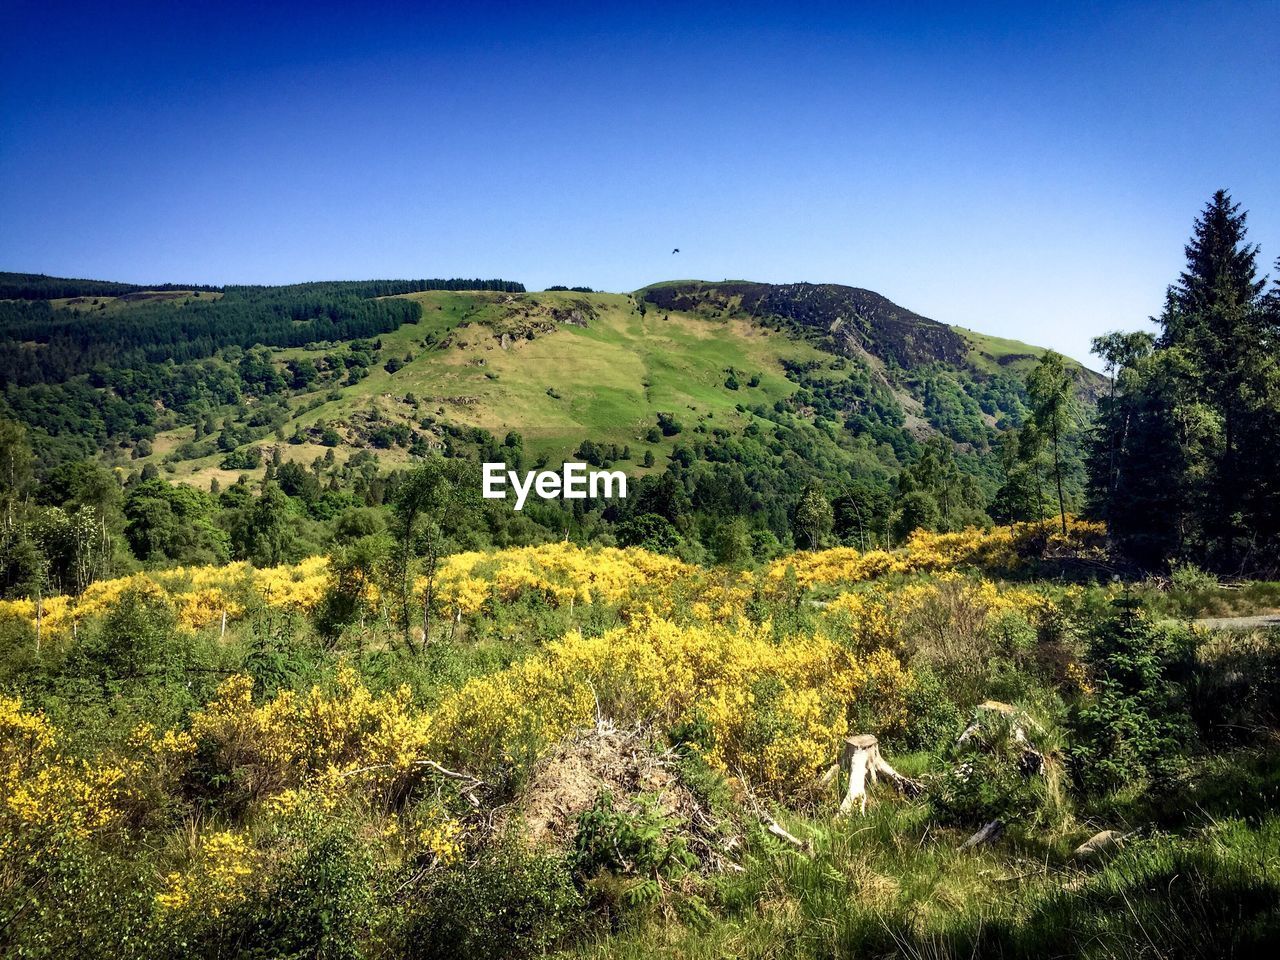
[472, 781]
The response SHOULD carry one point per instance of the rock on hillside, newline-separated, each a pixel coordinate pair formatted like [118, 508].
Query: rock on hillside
[853, 316]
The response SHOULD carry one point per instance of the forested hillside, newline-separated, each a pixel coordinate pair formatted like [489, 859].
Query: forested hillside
[727, 402]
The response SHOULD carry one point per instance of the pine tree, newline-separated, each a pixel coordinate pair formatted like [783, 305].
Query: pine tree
[1216, 319]
[1179, 461]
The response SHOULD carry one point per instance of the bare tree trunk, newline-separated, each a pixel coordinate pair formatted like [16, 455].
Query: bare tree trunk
[1057, 471]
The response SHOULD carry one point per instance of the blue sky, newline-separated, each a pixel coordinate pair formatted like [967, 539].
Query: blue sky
[1028, 170]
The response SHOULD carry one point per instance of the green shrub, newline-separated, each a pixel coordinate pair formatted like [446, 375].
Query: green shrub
[627, 842]
[991, 776]
[1135, 724]
[512, 902]
[319, 901]
[75, 899]
[1188, 578]
[933, 718]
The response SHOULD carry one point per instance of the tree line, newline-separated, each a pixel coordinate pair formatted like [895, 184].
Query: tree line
[1182, 459]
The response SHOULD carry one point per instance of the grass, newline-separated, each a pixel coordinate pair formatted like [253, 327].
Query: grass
[888, 885]
[116, 304]
[558, 383]
[992, 354]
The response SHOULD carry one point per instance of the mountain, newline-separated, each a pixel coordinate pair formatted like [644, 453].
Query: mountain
[209, 383]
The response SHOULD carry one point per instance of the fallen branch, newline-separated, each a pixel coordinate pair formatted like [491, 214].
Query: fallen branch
[781, 832]
[471, 782]
[989, 834]
[772, 826]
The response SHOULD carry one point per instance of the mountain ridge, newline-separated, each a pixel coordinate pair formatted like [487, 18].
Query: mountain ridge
[839, 378]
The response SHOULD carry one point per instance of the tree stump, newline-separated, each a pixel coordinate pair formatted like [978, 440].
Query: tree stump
[862, 754]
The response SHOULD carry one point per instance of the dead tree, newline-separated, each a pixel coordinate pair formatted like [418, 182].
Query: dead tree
[862, 755]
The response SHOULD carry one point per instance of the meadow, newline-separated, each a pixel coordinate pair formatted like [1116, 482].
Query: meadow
[605, 752]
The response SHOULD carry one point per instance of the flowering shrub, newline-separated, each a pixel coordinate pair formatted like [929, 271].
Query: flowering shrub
[218, 877]
[46, 792]
[876, 617]
[562, 574]
[1000, 549]
[201, 595]
[317, 740]
[658, 670]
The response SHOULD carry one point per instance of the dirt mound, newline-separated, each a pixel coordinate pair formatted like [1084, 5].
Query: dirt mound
[623, 763]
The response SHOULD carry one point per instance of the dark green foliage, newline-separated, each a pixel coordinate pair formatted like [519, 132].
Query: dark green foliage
[932, 715]
[917, 510]
[992, 775]
[510, 903]
[1176, 464]
[1135, 724]
[38, 286]
[638, 842]
[813, 518]
[75, 899]
[1051, 389]
[173, 523]
[668, 424]
[247, 458]
[950, 493]
[265, 530]
[731, 543]
[133, 639]
[652, 531]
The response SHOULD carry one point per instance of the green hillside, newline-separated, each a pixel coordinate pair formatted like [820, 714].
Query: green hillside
[556, 367]
[742, 392]
[562, 367]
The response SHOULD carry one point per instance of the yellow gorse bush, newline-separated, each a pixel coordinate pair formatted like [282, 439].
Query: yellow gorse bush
[316, 740]
[564, 574]
[44, 791]
[561, 573]
[997, 549]
[220, 875]
[873, 618]
[776, 710]
[200, 595]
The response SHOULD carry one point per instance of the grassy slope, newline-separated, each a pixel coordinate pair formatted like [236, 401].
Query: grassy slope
[612, 376]
[992, 354]
[114, 304]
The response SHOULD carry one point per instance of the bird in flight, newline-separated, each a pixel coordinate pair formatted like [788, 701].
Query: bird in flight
[676, 250]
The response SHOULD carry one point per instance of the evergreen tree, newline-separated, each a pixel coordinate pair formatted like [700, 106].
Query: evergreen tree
[1178, 463]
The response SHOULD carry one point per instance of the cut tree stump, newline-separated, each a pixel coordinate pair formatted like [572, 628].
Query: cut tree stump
[1033, 761]
[862, 754]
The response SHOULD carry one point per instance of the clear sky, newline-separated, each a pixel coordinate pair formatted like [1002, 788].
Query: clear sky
[1027, 170]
